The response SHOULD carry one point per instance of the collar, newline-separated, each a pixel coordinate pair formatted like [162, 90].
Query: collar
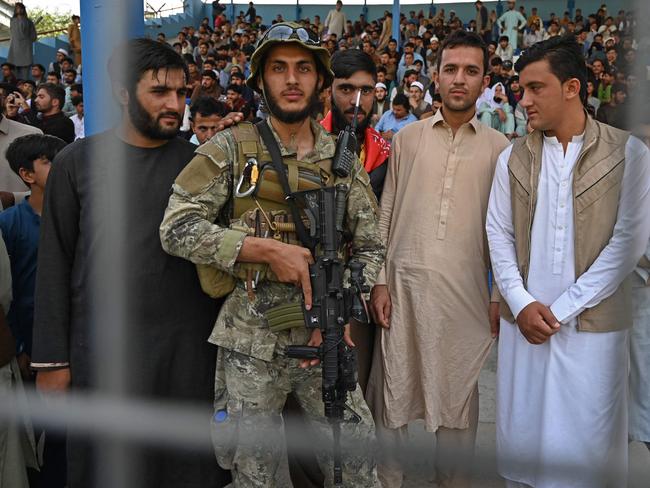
[324, 145]
[438, 118]
[4, 125]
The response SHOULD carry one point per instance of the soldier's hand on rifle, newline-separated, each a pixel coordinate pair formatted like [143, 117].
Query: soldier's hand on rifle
[316, 340]
[380, 305]
[291, 265]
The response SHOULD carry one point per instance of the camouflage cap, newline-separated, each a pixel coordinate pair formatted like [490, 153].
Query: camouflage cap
[284, 32]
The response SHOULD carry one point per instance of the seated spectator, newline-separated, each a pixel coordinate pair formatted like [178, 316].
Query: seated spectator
[78, 117]
[8, 75]
[614, 113]
[205, 114]
[504, 50]
[380, 104]
[396, 118]
[533, 36]
[515, 92]
[47, 112]
[38, 74]
[246, 92]
[27, 89]
[605, 86]
[234, 100]
[419, 107]
[209, 87]
[494, 110]
[593, 102]
[53, 77]
[496, 71]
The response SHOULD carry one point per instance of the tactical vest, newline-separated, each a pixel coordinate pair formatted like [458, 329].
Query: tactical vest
[261, 210]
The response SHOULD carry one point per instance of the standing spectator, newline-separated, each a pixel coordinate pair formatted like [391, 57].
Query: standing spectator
[23, 36]
[217, 10]
[482, 20]
[432, 297]
[17, 442]
[398, 117]
[205, 115]
[12, 187]
[559, 264]
[78, 117]
[74, 38]
[511, 23]
[47, 112]
[169, 317]
[251, 13]
[336, 20]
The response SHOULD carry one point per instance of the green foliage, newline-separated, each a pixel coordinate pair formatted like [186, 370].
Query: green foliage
[49, 20]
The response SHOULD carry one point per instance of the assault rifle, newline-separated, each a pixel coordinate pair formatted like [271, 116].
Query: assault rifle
[333, 305]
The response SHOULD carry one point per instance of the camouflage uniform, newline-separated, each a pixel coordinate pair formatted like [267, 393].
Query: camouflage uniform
[253, 377]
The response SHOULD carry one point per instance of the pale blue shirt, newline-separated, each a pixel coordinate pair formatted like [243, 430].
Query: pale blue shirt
[389, 122]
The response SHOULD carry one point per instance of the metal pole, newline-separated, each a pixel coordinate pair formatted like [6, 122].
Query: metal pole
[570, 6]
[365, 9]
[105, 24]
[232, 12]
[396, 27]
[298, 11]
[432, 9]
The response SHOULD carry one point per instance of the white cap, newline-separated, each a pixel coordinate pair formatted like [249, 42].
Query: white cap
[62, 51]
[434, 38]
[418, 85]
[379, 84]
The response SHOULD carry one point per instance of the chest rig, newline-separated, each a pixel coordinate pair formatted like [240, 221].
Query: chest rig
[259, 207]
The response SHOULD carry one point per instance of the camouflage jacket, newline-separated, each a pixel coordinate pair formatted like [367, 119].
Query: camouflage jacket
[188, 230]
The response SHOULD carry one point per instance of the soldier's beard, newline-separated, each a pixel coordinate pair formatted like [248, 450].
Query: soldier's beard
[290, 116]
[341, 121]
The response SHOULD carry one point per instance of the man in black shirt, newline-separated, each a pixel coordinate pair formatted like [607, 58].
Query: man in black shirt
[47, 112]
[105, 193]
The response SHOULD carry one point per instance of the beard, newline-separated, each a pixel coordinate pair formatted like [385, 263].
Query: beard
[341, 121]
[150, 126]
[290, 116]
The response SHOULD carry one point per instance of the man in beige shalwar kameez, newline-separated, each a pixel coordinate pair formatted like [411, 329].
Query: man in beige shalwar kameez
[432, 298]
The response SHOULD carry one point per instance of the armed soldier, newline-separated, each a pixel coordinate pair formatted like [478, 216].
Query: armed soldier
[229, 213]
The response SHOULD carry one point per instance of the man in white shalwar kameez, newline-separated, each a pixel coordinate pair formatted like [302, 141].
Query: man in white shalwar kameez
[567, 223]
[511, 24]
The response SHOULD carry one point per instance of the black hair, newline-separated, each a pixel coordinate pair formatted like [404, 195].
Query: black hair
[22, 152]
[382, 69]
[132, 59]
[8, 88]
[39, 66]
[565, 60]
[10, 65]
[209, 73]
[402, 100]
[78, 87]
[71, 70]
[496, 61]
[206, 106]
[409, 44]
[54, 91]
[619, 87]
[466, 39]
[237, 74]
[235, 88]
[346, 63]
[77, 100]
[504, 38]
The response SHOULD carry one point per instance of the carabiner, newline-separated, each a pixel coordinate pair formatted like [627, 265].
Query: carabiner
[251, 172]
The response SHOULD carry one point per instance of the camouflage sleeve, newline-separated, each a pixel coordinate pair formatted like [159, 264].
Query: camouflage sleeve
[199, 193]
[362, 224]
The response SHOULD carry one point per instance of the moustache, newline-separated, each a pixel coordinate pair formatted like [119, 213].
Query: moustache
[351, 111]
[176, 115]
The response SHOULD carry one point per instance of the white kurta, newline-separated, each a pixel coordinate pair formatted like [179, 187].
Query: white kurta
[562, 405]
[512, 20]
[640, 357]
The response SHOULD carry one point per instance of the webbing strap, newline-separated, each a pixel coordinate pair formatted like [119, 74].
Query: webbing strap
[274, 150]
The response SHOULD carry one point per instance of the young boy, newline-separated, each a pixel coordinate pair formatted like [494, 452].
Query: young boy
[504, 50]
[30, 158]
[78, 117]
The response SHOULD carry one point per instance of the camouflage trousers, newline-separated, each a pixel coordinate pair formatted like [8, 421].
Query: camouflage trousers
[247, 428]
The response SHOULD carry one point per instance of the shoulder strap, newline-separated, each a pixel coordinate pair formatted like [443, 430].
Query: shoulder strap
[273, 149]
